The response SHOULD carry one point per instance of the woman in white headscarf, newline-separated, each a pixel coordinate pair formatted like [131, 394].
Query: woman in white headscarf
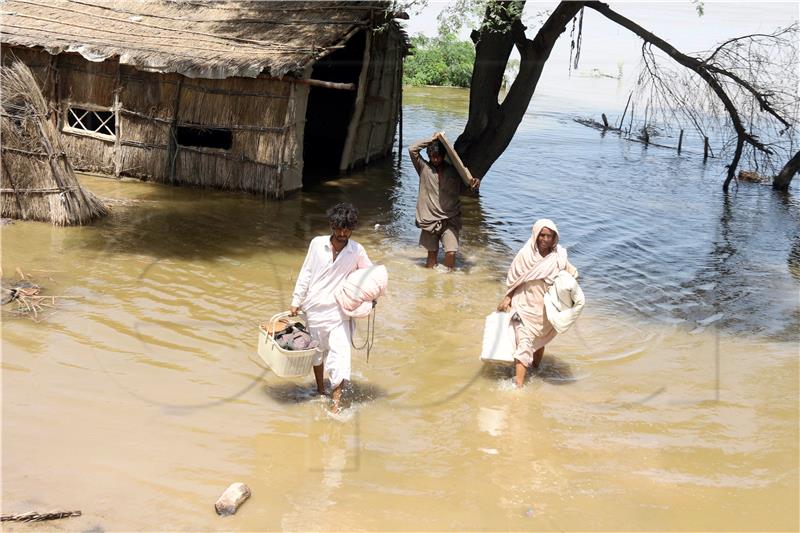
[529, 276]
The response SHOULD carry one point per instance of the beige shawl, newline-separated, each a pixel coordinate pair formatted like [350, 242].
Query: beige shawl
[528, 279]
[529, 264]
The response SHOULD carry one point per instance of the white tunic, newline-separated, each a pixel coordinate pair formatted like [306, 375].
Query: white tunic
[320, 276]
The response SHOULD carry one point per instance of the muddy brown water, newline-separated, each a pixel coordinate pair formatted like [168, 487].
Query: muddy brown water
[672, 405]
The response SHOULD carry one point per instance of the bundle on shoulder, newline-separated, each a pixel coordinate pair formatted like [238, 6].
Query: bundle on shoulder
[360, 289]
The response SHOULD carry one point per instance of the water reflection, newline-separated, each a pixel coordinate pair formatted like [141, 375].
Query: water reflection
[742, 284]
[356, 392]
[555, 371]
[552, 370]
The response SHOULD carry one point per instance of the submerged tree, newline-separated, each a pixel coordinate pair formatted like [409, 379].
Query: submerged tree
[740, 75]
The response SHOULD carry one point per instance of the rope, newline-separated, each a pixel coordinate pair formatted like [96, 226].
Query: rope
[370, 337]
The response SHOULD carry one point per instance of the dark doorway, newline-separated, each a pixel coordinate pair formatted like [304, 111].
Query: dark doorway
[329, 111]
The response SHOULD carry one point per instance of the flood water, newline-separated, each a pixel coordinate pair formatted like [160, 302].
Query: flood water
[672, 405]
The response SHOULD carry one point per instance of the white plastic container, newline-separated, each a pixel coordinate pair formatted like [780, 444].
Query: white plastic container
[284, 363]
[498, 338]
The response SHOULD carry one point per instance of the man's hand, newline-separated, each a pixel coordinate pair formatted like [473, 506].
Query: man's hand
[504, 304]
[475, 184]
[293, 310]
[438, 136]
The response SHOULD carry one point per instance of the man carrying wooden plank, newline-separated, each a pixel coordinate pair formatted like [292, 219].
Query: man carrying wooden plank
[438, 204]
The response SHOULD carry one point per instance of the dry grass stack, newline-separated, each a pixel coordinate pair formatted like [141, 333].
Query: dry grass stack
[38, 182]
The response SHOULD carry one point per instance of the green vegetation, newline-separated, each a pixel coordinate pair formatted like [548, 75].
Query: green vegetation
[441, 60]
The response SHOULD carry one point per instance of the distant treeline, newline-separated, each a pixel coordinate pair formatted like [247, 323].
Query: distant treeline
[440, 60]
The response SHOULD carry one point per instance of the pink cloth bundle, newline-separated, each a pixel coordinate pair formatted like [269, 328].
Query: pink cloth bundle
[360, 288]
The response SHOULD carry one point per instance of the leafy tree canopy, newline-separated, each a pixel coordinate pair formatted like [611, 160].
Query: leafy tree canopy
[441, 60]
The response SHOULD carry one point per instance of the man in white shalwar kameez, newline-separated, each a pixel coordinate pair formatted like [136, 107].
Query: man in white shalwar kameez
[329, 260]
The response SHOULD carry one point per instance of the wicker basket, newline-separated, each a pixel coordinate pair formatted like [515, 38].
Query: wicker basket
[284, 363]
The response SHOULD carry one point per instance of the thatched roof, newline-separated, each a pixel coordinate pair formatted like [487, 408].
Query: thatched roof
[199, 39]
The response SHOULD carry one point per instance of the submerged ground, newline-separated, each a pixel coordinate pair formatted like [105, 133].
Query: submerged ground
[672, 405]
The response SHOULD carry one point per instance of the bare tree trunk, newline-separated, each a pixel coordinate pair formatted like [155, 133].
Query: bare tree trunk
[491, 125]
[784, 178]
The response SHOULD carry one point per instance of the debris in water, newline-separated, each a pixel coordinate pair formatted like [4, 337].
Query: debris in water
[232, 498]
[38, 517]
[27, 295]
[711, 319]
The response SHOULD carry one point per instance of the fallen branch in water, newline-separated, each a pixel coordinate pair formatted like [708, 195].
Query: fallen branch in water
[33, 305]
[27, 295]
[38, 517]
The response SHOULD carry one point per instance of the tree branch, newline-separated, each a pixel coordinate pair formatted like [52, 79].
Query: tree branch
[759, 96]
[701, 69]
[741, 38]
[784, 177]
[492, 51]
[534, 54]
[491, 125]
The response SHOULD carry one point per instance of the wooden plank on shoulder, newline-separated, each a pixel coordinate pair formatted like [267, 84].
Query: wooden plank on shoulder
[455, 160]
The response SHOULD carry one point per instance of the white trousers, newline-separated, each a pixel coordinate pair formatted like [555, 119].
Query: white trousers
[334, 345]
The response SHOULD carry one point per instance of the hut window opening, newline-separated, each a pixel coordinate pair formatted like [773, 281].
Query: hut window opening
[198, 137]
[92, 121]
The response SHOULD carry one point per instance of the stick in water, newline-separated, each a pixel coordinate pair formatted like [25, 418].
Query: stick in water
[33, 516]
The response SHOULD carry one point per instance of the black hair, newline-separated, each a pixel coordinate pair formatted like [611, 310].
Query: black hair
[436, 147]
[343, 215]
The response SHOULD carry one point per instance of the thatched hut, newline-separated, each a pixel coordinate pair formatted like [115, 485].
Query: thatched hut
[38, 182]
[236, 94]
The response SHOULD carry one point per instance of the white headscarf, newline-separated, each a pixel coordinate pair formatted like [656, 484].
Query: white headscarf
[529, 264]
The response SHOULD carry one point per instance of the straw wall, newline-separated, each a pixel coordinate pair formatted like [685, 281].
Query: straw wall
[210, 170]
[148, 107]
[234, 101]
[88, 153]
[144, 148]
[37, 60]
[87, 85]
[84, 82]
[256, 112]
[376, 124]
[292, 158]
